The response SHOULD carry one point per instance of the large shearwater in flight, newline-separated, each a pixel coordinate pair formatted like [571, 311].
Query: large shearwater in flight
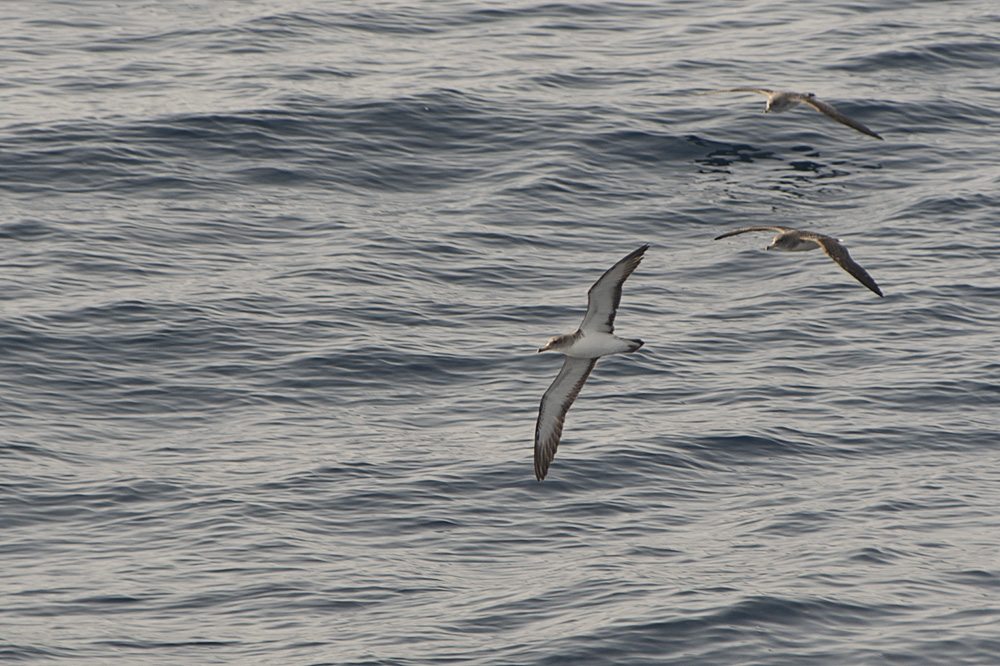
[595, 338]
[780, 100]
[793, 240]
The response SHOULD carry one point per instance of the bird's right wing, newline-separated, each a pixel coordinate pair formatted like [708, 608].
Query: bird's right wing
[743, 230]
[762, 91]
[553, 407]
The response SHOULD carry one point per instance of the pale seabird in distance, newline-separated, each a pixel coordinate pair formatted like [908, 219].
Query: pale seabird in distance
[780, 100]
[595, 338]
[793, 240]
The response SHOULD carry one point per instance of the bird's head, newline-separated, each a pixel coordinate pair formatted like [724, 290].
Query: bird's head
[555, 343]
[781, 242]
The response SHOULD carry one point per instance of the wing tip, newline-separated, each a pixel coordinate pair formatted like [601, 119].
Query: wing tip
[638, 252]
[542, 463]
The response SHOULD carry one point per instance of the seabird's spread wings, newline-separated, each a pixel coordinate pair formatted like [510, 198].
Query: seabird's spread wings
[605, 295]
[555, 403]
[828, 109]
[743, 230]
[831, 246]
[836, 251]
[778, 101]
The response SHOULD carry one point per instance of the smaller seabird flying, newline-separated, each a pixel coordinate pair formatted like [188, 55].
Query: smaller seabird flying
[594, 338]
[793, 240]
[779, 100]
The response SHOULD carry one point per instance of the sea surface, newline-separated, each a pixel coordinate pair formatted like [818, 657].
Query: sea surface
[272, 279]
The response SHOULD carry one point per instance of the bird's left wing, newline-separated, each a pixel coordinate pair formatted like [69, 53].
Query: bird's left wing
[836, 251]
[605, 295]
[828, 109]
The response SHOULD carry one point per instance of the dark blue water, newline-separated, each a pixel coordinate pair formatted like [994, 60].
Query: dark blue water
[274, 274]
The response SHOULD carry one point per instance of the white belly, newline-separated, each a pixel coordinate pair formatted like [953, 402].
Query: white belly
[592, 345]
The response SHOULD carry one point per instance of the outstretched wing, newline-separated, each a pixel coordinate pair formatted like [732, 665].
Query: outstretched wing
[743, 230]
[762, 91]
[828, 109]
[605, 295]
[836, 251]
[553, 407]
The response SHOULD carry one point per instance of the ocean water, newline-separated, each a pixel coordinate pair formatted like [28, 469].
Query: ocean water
[272, 278]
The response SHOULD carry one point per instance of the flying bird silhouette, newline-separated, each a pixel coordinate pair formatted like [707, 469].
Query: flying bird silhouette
[780, 100]
[593, 339]
[793, 240]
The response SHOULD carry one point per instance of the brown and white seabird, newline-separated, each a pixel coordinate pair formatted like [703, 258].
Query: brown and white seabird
[780, 100]
[593, 339]
[793, 240]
